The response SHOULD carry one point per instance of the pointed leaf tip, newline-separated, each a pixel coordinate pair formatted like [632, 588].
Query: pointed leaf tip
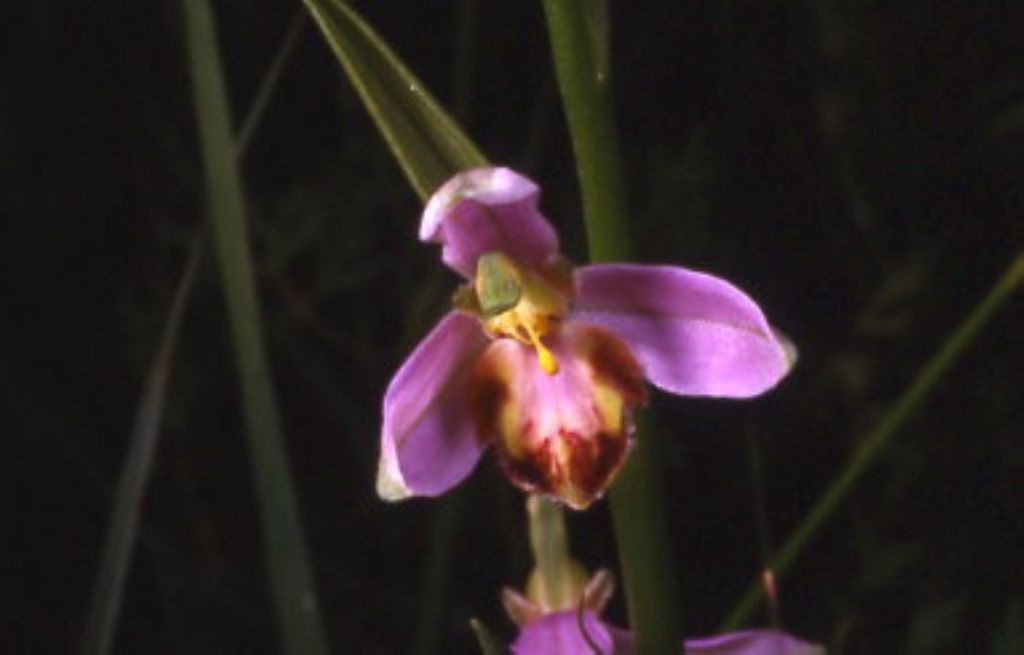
[429, 145]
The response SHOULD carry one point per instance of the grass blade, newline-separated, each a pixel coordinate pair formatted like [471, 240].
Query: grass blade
[124, 525]
[269, 82]
[578, 41]
[875, 441]
[117, 552]
[578, 44]
[429, 146]
[290, 573]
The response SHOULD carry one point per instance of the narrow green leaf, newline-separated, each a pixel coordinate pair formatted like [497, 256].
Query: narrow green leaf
[876, 440]
[290, 575]
[117, 553]
[576, 34]
[269, 82]
[427, 143]
[124, 522]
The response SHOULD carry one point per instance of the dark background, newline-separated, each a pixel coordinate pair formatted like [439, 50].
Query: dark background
[855, 165]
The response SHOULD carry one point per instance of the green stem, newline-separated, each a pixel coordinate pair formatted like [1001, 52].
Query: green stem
[290, 575]
[639, 518]
[549, 542]
[648, 572]
[870, 447]
[586, 96]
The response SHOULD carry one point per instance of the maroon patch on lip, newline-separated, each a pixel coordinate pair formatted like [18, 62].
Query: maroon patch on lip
[578, 479]
[613, 363]
[573, 466]
[487, 392]
[592, 474]
[529, 473]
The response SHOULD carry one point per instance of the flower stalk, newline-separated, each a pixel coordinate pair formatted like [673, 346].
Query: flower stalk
[550, 545]
[640, 523]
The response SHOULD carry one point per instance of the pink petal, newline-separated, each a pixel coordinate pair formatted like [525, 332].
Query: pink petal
[752, 642]
[428, 442]
[560, 634]
[693, 333]
[488, 209]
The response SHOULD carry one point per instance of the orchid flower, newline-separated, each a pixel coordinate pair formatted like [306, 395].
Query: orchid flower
[559, 611]
[546, 363]
[561, 634]
[546, 629]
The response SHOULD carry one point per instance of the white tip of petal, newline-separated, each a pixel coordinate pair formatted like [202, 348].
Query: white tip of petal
[390, 486]
[788, 347]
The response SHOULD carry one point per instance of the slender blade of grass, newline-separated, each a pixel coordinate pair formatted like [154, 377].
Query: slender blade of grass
[579, 43]
[117, 552]
[270, 78]
[124, 523]
[875, 441]
[290, 574]
[429, 146]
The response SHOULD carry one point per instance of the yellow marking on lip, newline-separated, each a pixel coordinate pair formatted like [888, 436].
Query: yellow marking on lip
[608, 402]
[547, 359]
